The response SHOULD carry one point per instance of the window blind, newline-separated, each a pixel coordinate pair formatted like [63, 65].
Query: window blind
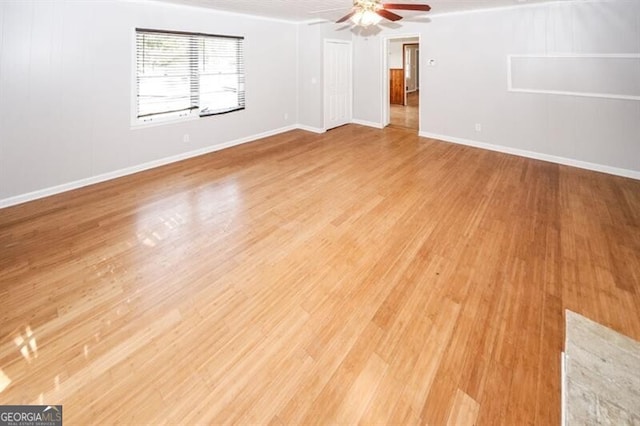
[184, 73]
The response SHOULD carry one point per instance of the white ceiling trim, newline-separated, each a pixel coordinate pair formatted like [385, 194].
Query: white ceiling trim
[301, 11]
[522, 5]
[183, 5]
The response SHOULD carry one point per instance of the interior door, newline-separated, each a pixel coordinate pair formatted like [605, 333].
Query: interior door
[396, 86]
[411, 66]
[337, 83]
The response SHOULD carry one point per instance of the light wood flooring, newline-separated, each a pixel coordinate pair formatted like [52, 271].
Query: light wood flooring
[406, 116]
[361, 275]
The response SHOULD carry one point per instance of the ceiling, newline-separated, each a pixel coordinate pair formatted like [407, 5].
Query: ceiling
[303, 10]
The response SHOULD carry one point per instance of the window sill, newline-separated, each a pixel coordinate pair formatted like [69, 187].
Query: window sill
[210, 114]
[161, 121]
[173, 120]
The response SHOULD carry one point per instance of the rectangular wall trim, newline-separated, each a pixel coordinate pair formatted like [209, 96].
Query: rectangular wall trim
[610, 76]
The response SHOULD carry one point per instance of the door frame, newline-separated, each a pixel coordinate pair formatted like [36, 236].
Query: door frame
[386, 110]
[325, 45]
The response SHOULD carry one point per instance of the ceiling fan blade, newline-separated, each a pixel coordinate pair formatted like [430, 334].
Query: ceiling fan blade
[399, 6]
[346, 17]
[388, 15]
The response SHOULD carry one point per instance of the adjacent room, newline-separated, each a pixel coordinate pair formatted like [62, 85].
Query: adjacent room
[404, 82]
[322, 211]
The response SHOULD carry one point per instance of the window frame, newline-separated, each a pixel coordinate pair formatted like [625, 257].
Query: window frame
[182, 116]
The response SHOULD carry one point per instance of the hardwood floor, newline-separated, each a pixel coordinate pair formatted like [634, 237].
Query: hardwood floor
[362, 275]
[406, 116]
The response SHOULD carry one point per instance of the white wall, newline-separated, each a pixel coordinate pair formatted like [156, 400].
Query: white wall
[395, 54]
[66, 88]
[367, 84]
[66, 85]
[395, 51]
[469, 83]
[310, 68]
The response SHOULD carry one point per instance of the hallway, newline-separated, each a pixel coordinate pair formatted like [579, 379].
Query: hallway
[406, 116]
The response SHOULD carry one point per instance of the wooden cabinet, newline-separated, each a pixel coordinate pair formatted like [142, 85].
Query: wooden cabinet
[396, 86]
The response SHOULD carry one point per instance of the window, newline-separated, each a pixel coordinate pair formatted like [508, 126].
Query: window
[184, 74]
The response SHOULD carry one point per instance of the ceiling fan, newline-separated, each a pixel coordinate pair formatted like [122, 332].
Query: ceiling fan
[370, 12]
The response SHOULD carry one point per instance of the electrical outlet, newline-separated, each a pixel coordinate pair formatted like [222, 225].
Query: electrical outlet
[478, 127]
[286, 115]
[186, 138]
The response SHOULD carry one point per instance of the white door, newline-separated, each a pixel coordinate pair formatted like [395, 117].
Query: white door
[337, 83]
[411, 67]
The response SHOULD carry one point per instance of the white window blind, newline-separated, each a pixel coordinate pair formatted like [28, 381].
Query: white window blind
[180, 74]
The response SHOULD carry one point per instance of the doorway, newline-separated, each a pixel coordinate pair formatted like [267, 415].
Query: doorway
[337, 83]
[402, 93]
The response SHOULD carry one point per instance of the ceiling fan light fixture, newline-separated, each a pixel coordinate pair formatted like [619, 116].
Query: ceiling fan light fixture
[365, 13]
[365, 18]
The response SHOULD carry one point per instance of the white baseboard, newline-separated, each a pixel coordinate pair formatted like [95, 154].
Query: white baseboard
[367, 123]
[536, 155]
[310, 128]
[23, 198]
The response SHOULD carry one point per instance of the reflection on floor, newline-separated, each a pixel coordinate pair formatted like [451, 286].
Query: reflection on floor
[360, 276]
[406, 116]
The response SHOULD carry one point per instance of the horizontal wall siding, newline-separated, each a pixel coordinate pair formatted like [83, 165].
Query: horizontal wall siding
[66, 76]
